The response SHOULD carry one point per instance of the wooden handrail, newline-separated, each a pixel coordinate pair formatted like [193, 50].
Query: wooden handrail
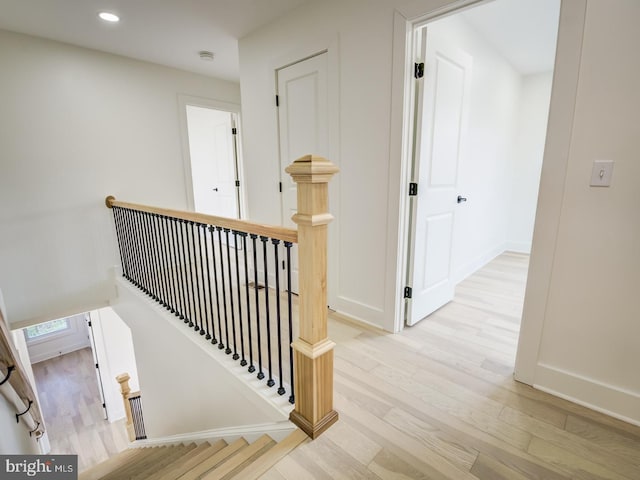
[18, 379]
[281, 233]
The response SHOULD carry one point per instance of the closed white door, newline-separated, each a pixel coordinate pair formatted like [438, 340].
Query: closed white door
[213, 161]
[441, 112]
[303, 126]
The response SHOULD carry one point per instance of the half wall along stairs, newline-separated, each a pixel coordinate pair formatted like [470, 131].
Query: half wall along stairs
[230, 281]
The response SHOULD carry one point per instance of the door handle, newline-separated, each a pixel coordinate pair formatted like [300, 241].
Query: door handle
[461, 199]
[215, 189]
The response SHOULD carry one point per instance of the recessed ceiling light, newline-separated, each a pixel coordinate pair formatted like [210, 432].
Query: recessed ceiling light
[206, 55]
[109, 17]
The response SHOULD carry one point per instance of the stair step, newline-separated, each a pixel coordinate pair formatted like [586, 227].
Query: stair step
[132, 468]
[213, 461]
[177, 452]
[243, 458]
[272, 456]
[190, 460]
[110, 464]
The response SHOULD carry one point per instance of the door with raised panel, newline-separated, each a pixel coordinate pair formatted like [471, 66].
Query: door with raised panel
[303, 126]
[441, 112]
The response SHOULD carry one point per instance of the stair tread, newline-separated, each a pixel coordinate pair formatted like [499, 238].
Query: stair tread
[177, 452]
[235, 463]
[132, 468]
[103, 468]
[214, 460]
[190, 460]
[272, 456]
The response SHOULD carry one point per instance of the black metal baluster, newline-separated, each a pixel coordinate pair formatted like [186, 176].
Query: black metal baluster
[276, 242]
[131, 241]
[224, 295]
[143, 254]
[215, 281]
[120, 241]
[163, 263]
[164, 228]
[211, 326]
[231, 302]
[270, 382]
[162, 298]
[171, 255]
[200, 279]
[243, 361]
[175, 225]
[204, 321]
[195, 282]
[288, 245]
[247, 299]
[185, 283]
[255, 284]
[149, 252]
[126, 242]
[191, 247]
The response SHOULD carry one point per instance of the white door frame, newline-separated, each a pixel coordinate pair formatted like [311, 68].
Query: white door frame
[234, 108]
[554, 166]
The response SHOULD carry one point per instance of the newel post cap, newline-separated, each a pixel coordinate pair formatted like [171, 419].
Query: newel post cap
[311, 169]
[109, 201]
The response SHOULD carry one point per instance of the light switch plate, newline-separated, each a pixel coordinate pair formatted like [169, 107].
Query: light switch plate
[601, 173]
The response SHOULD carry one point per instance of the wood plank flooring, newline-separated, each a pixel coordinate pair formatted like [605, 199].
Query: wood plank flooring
[70, 401]
[438, 401]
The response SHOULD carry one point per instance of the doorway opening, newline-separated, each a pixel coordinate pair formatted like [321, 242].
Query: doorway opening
[211, 147]
[480, 104]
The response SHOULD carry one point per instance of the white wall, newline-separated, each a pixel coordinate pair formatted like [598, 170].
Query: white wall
[580, 322]
[75, 126]
[59, 343]
[527, 159]
[184, 389]
[358, 37]
[15, 438]
[115, 353]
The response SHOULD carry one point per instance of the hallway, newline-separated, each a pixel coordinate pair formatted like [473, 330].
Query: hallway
[70, 402]
[438, 401]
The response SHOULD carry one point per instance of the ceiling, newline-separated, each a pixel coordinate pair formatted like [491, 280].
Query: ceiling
[172, 32]
[524, 31]
[168, 32]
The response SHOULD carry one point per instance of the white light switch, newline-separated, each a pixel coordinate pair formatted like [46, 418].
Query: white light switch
[601, 173]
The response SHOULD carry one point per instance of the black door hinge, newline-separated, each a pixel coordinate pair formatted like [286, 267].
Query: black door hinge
[407, 292]
[418, 70]
[104, 405]
[97, 366]
[234, 131]
[277, 100]
[413, 189]
[237, 183]
[89, 323]
[280, 186]
[283, 265]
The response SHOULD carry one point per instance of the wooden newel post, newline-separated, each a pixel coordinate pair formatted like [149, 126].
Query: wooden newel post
[123, 380]
[313, 351]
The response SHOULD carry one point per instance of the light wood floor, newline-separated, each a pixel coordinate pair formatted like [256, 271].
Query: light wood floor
[438, 402]
[70, 401]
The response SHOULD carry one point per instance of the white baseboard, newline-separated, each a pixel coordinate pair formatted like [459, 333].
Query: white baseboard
[470, 268]
[518, 247]
[588, 392]
[278, 431]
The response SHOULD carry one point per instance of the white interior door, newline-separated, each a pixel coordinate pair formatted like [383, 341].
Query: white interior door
[213, 161]
[303, 123]
[441, 112]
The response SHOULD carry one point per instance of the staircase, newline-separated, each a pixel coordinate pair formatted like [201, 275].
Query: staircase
[208, 461]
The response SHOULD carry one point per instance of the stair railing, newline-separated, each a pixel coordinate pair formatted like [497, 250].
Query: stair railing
[15, 384]
[134, 420]
[227, 279]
